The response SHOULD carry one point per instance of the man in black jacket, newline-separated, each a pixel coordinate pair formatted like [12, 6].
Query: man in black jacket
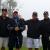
[45, 31]
[16, 38]
[3, 29]
[32, 32]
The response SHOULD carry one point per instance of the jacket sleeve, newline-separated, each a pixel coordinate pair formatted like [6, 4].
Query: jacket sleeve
[11, 25]
[22, 25]
[41, 28]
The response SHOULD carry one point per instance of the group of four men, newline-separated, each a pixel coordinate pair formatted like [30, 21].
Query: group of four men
[11, 31]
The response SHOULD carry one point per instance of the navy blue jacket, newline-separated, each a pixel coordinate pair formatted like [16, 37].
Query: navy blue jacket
[45, 28]
[4, 30]
[33, 28]
[21, 26]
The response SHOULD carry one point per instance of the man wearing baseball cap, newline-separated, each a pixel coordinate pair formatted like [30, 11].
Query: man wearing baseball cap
[45, 31]
[33, 35]
[16, 38]
[3, 31]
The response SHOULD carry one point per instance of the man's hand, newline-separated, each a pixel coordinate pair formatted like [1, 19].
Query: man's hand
[17, 29]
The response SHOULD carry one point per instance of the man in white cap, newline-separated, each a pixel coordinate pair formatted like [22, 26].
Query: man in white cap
[16, 38]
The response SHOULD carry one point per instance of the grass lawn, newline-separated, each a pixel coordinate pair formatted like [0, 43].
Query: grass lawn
[24, 48]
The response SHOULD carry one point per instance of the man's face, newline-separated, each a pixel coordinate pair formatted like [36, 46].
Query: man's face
[15, 14]
[34, 17]
[4, 13]
[46, 15]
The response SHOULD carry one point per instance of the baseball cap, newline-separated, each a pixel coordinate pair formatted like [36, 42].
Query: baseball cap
[4, 9]
[45, 13]
[34, 14]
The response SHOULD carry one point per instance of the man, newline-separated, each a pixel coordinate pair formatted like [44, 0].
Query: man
[16, 38]
[3, 30]
[32, 32]
[45, 31]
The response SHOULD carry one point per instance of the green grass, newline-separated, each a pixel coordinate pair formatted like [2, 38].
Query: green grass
[23, 48]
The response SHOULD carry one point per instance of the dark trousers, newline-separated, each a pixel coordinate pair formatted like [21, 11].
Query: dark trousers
[10, 48]
[46, 44]
[15, 42]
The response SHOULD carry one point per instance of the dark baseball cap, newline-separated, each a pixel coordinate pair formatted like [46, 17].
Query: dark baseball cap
[34, 14]
[45, 13]
[4, 9]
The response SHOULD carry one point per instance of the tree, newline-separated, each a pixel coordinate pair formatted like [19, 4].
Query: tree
[12, 5]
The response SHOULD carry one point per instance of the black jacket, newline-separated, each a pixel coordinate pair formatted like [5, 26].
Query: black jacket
[4, 31]
[45, 28]
[33, 28]
[21, 26]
